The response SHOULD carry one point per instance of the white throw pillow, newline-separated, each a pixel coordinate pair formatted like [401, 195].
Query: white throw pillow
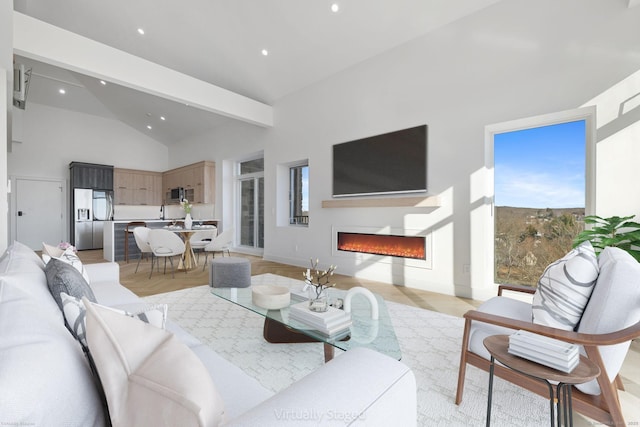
[149, 376]
[565, 287]
[67, 255]
[75, 314]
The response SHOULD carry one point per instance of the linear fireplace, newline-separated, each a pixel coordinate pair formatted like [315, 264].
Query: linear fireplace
[383, 244]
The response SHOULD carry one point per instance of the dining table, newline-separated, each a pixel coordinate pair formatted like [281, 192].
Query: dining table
[187, 260]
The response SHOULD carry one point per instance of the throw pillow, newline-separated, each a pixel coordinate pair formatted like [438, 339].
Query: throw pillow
[75, 315]
[565, 287]
[63, 277]
[148, 375]
[68, 255]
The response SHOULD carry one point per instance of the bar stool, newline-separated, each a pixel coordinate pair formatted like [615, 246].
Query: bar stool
[127, 230]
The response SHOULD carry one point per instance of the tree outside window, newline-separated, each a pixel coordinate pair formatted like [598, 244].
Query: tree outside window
[299, 195]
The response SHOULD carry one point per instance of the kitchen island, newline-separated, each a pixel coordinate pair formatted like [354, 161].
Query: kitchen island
[114, 237]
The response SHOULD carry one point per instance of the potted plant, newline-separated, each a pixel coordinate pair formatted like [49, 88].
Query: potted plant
[615, 231]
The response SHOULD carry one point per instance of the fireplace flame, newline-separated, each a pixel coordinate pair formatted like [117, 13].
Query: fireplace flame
[380, 244]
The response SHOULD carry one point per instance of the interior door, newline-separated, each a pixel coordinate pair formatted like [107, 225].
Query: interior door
[39, 212]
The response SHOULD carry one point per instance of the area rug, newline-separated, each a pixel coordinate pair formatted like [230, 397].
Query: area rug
[430, 344]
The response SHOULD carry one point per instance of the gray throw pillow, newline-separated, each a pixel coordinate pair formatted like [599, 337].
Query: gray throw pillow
[63, 277]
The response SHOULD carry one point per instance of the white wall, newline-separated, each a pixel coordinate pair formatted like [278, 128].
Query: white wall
[497, 65]
[6, 100]
[51, 138]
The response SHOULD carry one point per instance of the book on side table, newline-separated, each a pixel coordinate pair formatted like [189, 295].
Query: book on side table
[550, 352]
[333, 322]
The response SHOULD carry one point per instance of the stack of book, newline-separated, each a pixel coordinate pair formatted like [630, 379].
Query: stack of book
[333, 322]
[550, 352]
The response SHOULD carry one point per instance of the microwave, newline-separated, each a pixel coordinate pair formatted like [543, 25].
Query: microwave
[176, 194]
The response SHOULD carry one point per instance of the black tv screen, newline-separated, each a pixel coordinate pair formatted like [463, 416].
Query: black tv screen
[395, 162]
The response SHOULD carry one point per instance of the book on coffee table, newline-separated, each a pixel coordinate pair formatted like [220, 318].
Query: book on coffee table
[331, 322]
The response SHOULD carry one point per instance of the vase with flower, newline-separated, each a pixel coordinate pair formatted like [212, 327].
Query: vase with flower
[318, 284]
[186, 206]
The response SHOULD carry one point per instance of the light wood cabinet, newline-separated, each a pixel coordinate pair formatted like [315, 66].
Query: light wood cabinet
[137, 187]
[197, 179]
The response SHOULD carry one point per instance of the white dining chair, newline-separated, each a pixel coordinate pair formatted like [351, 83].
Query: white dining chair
[200, 239]
[141, 235]
[165, 244]
[221, 243]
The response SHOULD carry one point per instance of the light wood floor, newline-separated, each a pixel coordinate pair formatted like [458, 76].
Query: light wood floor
[141, 285]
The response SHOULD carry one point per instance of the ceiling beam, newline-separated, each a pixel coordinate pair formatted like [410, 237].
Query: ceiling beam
[44, 42]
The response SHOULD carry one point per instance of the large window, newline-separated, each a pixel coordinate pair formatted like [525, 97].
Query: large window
[299, 194]
[251, 203]
[542, 191]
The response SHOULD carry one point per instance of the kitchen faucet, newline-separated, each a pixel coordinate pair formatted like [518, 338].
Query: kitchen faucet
[162, 212]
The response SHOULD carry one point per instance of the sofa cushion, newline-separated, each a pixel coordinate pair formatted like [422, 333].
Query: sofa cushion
[614, 305]
[75, 315]
[565, 287]
[45, 379]
[149, 377]
[19, 258]
[63, 277]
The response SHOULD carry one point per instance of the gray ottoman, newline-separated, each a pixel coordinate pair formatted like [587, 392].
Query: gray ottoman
[230, 272]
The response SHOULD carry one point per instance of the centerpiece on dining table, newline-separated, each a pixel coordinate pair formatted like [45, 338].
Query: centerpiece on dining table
[186, 206]
[318, 284]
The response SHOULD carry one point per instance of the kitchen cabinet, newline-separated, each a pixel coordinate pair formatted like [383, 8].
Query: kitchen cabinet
[197, 179]
[90, 175]
[137, 187]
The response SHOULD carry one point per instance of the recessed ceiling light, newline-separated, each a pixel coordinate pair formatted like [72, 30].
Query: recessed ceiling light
[162, 118]
[141, 31]
[149, 127]
[335, 7]
[62, 91]
[265, 52]
[103, 83]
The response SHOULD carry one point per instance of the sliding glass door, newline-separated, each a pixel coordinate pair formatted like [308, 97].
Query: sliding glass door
[251, 204]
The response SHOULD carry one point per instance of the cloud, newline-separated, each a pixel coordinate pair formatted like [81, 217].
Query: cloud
[539, 189]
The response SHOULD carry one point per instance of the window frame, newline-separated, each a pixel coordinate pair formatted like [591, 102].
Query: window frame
[482, 217]
[292, 191]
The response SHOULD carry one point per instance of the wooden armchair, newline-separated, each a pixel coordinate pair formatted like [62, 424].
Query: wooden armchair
[615, 298]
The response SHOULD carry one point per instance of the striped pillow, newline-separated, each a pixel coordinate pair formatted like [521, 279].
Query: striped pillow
[565, 287]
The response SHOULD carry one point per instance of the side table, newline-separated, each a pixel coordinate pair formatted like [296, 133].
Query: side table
[498, 345]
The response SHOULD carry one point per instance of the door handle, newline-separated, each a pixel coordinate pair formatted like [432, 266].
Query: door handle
[20, 213]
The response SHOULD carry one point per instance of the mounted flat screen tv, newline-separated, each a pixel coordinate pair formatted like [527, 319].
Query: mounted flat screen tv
[395, 162]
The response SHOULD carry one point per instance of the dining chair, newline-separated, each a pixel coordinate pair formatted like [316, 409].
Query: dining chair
[165, 244]
[141, 235]
[222, 242]
[200, 239]
[128, 229]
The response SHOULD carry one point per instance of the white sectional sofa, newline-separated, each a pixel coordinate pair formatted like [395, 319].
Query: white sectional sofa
[46, 379]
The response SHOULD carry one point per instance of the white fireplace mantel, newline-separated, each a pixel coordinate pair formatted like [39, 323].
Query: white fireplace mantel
[384, 202]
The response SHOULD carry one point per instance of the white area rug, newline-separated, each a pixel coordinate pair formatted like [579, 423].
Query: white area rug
[430, 344]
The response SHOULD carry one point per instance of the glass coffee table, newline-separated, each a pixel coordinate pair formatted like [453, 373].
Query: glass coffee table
[377, 334]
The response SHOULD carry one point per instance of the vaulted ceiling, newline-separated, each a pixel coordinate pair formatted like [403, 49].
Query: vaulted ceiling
[261, 49]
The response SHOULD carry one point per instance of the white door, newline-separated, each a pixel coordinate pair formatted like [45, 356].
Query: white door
[39, 212]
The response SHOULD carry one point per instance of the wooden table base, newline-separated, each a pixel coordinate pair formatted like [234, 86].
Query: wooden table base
[277, 333]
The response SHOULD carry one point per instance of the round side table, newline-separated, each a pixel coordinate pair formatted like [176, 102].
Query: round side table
[498, 346]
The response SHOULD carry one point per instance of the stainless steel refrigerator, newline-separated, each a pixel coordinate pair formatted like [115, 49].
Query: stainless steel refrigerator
[91, 208]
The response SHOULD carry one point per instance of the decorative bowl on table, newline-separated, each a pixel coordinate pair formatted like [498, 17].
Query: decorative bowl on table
[270, 297]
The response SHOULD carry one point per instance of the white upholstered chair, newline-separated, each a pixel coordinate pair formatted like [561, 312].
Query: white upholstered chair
[165, 244]
[141, 234]
[221, 243]
[610, 320]
[202, 238]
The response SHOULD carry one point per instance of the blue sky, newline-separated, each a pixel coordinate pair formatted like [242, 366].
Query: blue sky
[541, 167]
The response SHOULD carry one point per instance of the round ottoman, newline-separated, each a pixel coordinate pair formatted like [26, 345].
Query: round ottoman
[230, 272]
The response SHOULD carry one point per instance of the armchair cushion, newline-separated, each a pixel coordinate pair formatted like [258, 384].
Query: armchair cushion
[501, 306]
[565, 287]
[614, 305]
